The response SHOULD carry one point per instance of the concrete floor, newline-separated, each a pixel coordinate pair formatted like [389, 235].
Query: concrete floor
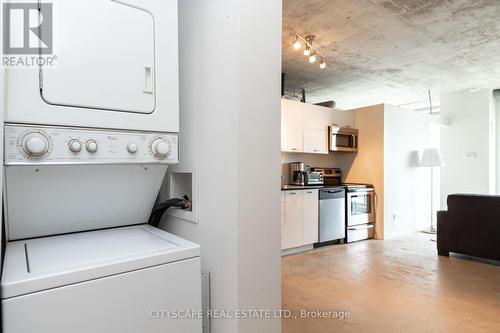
[398, 285]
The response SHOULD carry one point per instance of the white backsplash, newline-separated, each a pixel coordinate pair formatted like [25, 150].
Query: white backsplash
[342, 161]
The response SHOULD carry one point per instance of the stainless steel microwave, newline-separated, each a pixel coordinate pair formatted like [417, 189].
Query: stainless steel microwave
[343, 139]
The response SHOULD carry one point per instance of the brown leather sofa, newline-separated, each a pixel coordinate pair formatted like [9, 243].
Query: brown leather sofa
[471, 226]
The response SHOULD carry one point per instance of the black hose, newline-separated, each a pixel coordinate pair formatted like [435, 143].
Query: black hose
[160, 208]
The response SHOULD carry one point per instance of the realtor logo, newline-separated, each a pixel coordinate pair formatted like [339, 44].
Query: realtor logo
[27, 28]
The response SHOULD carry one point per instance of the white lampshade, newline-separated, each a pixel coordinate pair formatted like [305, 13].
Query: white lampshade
[432, 157]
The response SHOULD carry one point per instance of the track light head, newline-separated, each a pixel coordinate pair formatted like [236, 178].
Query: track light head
[296, 43]
[307, 51]
[322, 64]
[312, 58]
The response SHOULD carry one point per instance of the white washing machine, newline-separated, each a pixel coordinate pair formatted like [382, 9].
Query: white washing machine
[99, 267]
[116, 66]
[115, 281]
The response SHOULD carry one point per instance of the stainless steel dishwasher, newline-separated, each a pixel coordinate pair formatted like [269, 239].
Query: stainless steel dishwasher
[332, 214]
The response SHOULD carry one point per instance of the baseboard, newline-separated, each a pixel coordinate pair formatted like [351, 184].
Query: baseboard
[296, 250]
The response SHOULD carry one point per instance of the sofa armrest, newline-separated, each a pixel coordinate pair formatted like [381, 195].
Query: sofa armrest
[443, 234]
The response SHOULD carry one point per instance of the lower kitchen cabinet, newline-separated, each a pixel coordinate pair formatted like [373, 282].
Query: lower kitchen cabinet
[292, 230]
[299, 219]
[282, 219]
[310, 216]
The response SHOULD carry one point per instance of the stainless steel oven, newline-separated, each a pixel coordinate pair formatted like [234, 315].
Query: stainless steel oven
[360, 212]
[343, 139]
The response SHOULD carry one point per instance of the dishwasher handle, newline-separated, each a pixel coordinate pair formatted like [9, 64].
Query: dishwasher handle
[331, 194]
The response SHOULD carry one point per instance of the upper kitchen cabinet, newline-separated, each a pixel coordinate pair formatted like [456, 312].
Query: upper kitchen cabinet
[315, 141]
[316, 121]
[283, 127]
[292, 117]
[316, 116]
[342, 118]
[304, 127]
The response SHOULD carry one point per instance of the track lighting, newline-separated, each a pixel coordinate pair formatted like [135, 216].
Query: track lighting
[309, 51]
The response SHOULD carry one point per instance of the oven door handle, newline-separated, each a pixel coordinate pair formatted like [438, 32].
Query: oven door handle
[361, 190]
[369, 226]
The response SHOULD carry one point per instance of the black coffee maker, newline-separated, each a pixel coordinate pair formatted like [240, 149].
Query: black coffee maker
[297, 173]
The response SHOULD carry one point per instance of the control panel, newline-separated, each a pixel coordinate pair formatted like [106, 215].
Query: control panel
[26, 144]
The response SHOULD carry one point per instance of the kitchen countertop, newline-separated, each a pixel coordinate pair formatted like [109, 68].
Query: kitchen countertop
[304, 187]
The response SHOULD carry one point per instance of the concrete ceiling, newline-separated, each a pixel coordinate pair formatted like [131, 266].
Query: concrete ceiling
[392, 51]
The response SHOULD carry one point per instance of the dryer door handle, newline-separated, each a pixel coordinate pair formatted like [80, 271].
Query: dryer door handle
[148, 79]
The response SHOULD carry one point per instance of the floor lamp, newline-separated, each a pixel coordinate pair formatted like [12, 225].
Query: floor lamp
[432, 158]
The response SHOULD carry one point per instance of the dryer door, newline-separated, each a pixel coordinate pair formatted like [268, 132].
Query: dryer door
[105, 57]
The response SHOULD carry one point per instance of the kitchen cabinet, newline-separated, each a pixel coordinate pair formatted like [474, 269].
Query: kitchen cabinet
[293, 124]
[304, 127]
[342, 118]
[315, 141]
[283, 126]
[283, 241]
[315, 133]
[310, 216]
[292, 231]
[299, 218]
[316, 116]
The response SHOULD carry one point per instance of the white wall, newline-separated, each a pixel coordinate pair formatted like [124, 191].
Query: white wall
[497, 111]
[407, 185]
[435, 142]
[368, 166]
[2, 112]
[467, 144]
[390, 139]
[230, 128]
[259, 205]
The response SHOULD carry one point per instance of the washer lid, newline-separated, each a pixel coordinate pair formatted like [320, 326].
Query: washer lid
[43, 263]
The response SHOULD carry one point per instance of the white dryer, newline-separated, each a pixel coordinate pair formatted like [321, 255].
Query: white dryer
[80, 256]
[116, 66]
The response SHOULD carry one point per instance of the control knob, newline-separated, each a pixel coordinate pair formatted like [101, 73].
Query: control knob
[35, 144]
[75, 145]
[91, 146]
[160, 148]
[132, 148]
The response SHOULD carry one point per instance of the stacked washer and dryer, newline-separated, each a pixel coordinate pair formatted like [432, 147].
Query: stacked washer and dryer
[87, 144]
